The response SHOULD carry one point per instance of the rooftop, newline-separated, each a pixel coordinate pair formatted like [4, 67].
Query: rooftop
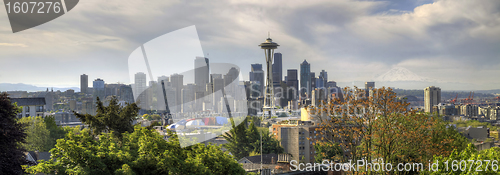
[28, 101]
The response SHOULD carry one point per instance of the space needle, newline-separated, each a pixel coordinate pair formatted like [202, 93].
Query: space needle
[269, 106]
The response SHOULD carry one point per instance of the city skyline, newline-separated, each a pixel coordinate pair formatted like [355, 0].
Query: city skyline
[357, 42]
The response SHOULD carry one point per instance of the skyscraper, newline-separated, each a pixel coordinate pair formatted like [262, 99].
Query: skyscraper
[217, 85]
[313, 81]
[201, 73]
[84, 83]
[177, 83]
[140, 86]
[163, 78]
[322, 79]
[257, 75]
[187, 98]
[293, 83]
[330, 84]
[99, 90]
[277, 69]
[305, 78]
[368, 86]
[432, 96]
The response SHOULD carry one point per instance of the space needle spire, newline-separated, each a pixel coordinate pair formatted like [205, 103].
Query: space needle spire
[269, 46]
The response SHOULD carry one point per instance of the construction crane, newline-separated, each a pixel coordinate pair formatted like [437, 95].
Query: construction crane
[166, 114]
[471, 101]
[453, 101]
[468, 100]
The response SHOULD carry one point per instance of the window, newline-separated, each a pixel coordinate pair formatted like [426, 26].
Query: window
[274, 129]
[39, 108]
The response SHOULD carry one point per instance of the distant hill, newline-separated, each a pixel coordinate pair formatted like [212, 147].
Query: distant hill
[444, 94]
[493, 91]
[30, 88]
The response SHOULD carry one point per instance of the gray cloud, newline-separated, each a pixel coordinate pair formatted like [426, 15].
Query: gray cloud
[352, 40]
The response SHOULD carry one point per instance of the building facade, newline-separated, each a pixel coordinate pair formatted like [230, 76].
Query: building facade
[99, 90]
[177, 81]
[292, 84]
[305, 78]
[201, 73]
[84, 83]
[298, 138]
[432, 97]
[30, 107]
[277, 69]
[257, 76]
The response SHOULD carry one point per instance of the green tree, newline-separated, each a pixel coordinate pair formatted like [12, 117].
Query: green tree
[327, 150]
[153, 124]
[238, 144]
[445, 137]
[38, 136]
[244, 141]
[12, 136]
[111, 118]
[140, 152]
[476, 162]
[269, 144]
[56, 132]
[42, 133]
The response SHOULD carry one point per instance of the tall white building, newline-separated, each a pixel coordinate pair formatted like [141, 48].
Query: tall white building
[139, 89]
[432, 96]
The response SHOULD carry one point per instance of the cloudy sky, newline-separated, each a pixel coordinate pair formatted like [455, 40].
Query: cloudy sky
[456, 41]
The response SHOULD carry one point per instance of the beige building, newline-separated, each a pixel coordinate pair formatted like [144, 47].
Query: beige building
[432, 96]
[297, 138]
[489, 112]
[469, 110]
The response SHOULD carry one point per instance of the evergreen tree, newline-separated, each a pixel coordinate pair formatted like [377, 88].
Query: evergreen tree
[242, 140]
[238, 145]
[111, 118]
[12, 135]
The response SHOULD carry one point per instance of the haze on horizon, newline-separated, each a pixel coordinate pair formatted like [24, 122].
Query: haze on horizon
[455, 43]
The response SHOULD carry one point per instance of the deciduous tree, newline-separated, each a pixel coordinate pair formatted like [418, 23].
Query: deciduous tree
[141, 152]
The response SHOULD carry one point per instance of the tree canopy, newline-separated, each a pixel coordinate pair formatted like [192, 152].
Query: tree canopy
[12, 136]
[474, 162]
[141, 152]
[42, 133]
[109, 118]
[380, 126]
[244, 140]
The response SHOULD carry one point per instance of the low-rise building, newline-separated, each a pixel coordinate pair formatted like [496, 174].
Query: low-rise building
[33, 106]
